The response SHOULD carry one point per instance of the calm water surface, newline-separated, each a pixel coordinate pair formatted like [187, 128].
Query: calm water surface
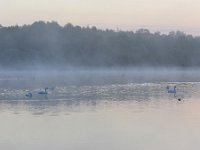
[100, 115]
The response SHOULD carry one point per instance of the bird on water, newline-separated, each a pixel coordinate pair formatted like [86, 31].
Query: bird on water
[29, 94]
[43, 92]
[171, 90]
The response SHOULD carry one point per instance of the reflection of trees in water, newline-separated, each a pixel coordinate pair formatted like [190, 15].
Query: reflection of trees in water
[51, 107]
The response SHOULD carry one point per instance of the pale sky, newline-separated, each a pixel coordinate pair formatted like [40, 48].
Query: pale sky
[161, 15]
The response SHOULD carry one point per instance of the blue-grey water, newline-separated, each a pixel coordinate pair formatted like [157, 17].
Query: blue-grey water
[110, 110]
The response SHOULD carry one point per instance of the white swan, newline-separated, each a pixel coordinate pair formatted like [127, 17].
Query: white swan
[43, 92]
[171, 90]
[29, 95]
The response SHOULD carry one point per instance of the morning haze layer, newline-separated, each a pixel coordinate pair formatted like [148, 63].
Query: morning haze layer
[49, 44]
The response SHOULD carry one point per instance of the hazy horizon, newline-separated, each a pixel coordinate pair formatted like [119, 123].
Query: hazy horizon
[152, 29]
[155, 15]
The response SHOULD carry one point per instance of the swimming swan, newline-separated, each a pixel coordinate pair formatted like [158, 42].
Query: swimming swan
[171, 90]
[43, 92]
[29, 95]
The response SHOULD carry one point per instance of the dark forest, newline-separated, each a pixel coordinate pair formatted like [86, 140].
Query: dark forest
[49, 44]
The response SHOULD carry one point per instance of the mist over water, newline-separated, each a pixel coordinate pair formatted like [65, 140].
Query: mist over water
[64, 84]
[80, 88]
[118, 108]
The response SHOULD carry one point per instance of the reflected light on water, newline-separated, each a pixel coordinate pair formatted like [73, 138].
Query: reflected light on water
[103, 124]
[112, 115]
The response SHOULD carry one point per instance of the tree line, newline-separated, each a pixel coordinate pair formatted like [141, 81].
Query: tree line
[49, 44]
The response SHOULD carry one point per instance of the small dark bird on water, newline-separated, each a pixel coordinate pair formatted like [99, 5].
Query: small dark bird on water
[29, 95]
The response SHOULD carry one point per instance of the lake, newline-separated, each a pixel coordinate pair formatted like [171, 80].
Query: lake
[110, 110]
